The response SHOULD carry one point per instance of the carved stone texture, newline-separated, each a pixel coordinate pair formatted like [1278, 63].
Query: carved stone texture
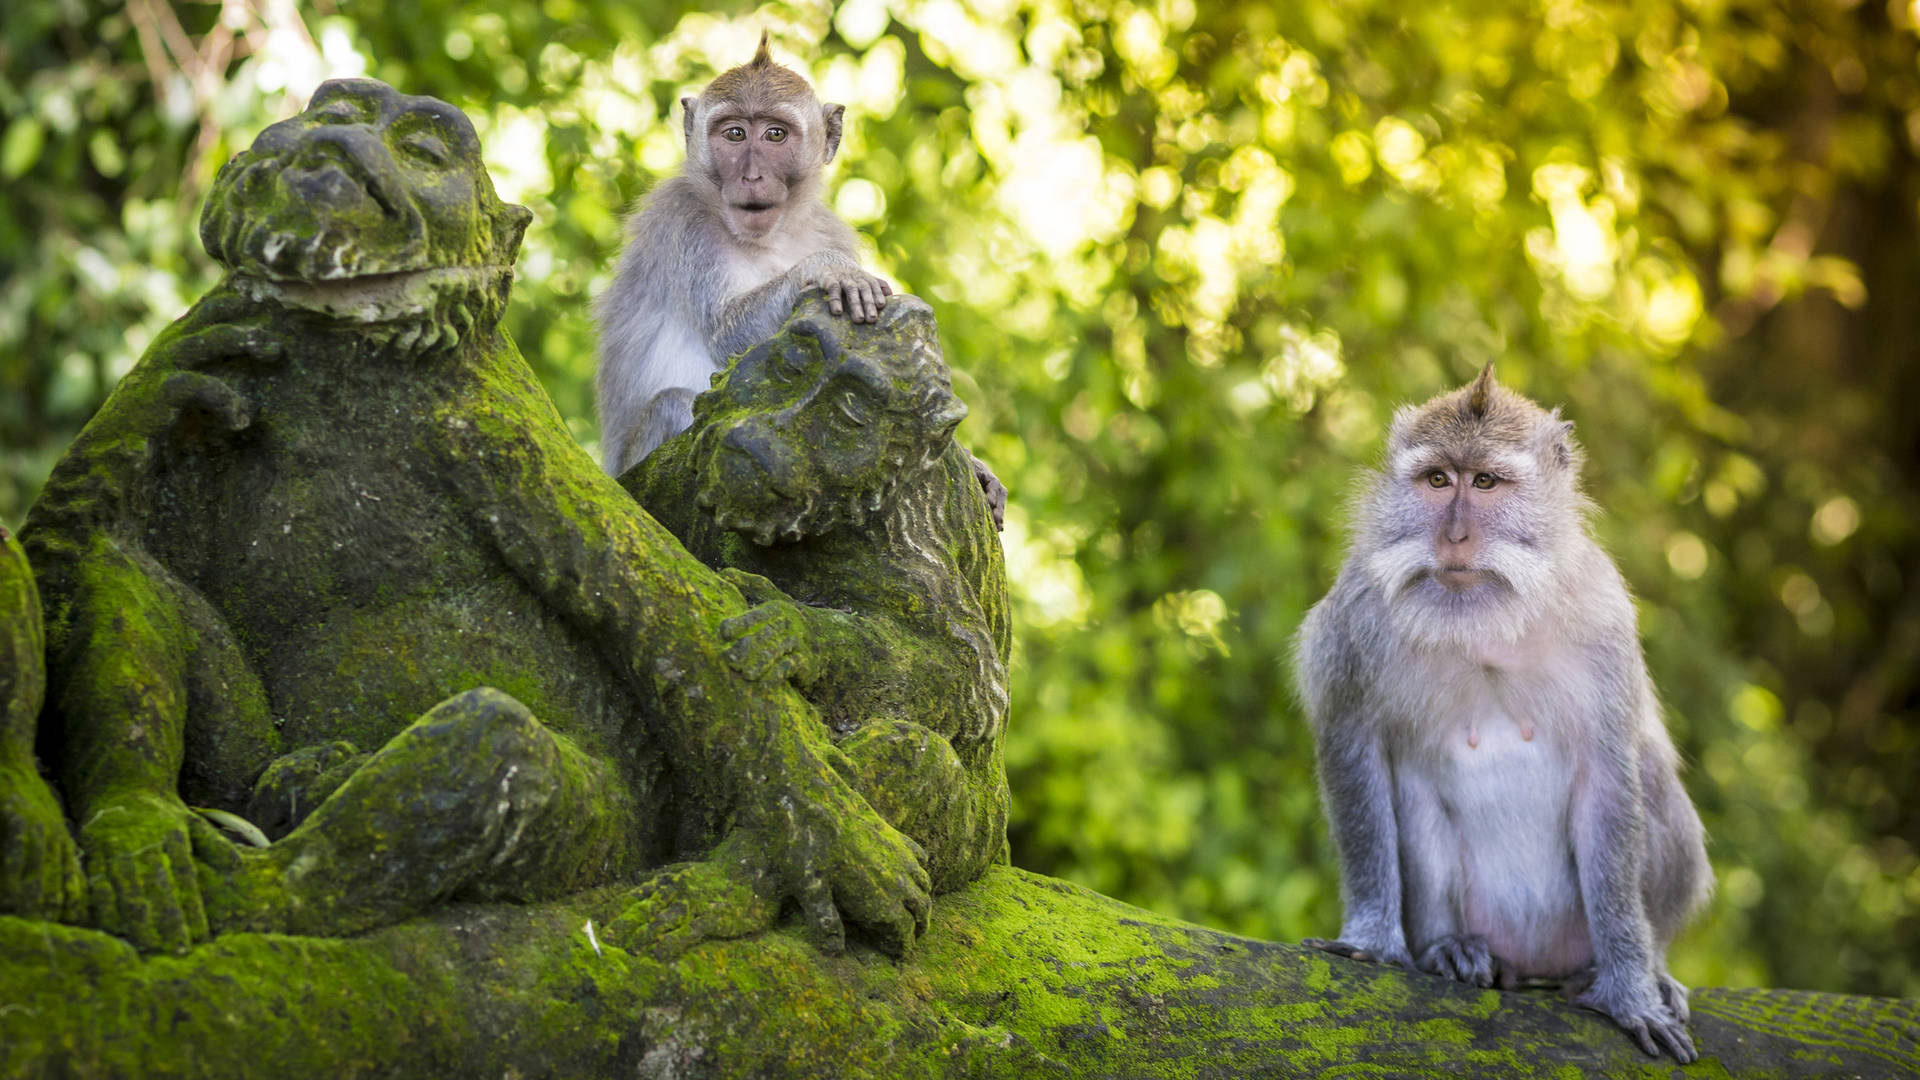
[329, 558]
[822, 475]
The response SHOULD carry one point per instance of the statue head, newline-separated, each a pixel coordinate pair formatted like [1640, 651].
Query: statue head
[325, 208]
[818, 427]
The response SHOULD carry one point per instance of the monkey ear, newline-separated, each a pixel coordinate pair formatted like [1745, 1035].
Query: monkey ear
[833, 116]
[686, 111]
[1553, 442]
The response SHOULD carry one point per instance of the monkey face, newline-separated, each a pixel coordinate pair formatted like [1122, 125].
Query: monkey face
[366, 181]
[1476, 502]
[761, 158]
[816, 428]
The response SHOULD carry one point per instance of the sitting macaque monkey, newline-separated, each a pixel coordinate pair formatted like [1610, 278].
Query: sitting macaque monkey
[718, 254]
[1503, 794]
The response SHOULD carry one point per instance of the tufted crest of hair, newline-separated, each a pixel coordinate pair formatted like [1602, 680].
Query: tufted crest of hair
[1482, 419]
[759, 81]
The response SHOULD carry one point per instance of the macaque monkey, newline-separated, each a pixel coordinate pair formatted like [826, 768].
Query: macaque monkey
[718, 254]
[1503, 795]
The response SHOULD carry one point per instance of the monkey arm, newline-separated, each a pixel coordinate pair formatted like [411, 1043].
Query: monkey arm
[1356, 779]
[755, 315]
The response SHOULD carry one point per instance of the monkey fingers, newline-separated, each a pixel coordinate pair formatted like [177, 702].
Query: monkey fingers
[1675, 995]
[1351, 952]
[1463, 958]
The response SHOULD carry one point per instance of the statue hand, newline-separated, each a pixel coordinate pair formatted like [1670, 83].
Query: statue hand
[843, 862]
[141, 879]
[771, 640]
[40, 874]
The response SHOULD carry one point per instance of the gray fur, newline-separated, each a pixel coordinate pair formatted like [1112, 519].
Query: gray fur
[1503, 795]
[690, 293]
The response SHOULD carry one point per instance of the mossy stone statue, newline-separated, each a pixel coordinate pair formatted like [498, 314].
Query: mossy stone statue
[328, 562]
[822, 475]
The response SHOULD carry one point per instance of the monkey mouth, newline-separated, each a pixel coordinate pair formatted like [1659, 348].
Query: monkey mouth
[1460, 578]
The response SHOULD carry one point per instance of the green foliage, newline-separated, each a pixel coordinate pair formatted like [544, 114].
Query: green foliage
[1187, 258]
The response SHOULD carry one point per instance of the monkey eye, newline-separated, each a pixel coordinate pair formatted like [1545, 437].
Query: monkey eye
[1437, 479]
[776, 134]
[733, 133]
[1485, 481]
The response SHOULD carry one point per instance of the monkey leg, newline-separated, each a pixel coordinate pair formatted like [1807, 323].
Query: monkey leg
[475, 799]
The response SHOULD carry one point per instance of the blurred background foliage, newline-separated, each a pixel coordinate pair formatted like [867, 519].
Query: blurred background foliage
[1187, 258]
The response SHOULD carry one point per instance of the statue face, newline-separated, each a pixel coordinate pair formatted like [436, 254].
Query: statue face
[365, 181]
[817, 426]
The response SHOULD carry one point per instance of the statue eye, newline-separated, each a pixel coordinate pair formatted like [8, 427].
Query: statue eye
[849, 405]
[1437, 479]
[426, 147]
[1485, 481]
[338, 112]
[733, 133]
[776, 134]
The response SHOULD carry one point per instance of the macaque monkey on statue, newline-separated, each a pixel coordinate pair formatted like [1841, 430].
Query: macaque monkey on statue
[1503, 795]
[717, 256]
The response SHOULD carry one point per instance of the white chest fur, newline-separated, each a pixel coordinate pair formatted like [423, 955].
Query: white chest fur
[1485, 781]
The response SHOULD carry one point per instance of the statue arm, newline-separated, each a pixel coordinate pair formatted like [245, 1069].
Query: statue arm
[748, 752]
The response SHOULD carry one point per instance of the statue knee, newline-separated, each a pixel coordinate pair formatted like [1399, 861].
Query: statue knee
[913, 778]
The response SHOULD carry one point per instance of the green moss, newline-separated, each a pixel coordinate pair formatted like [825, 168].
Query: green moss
[999, 987]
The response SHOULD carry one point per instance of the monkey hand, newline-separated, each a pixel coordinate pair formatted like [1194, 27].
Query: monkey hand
[142, 882]
[1466, 958]
[772, 639]
[1363, 947]
[850, 290]
[40, 874]
[1647, 1008]
[830, 851]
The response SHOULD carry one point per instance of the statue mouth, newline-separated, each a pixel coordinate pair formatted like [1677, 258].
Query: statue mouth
[385, 297]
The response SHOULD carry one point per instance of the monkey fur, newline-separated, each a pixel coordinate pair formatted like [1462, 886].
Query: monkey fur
[1503, 795]
[718, 254]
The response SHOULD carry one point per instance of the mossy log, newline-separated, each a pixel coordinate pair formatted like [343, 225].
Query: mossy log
[1019, 976]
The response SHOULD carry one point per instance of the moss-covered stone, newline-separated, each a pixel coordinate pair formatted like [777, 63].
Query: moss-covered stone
[1018, 976]
[331, 507]
[821, 473]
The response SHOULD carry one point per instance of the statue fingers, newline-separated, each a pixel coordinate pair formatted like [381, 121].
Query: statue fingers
[754, 589]
[226, 342]
[187, 908]
[186, 390]
[829, 931]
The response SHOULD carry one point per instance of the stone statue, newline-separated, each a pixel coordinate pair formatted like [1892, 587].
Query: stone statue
[328, 569]
[821, 472]
[40, 870]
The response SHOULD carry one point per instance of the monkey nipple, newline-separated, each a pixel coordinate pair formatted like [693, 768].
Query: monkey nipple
[1526, 731]
[1473, 737]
